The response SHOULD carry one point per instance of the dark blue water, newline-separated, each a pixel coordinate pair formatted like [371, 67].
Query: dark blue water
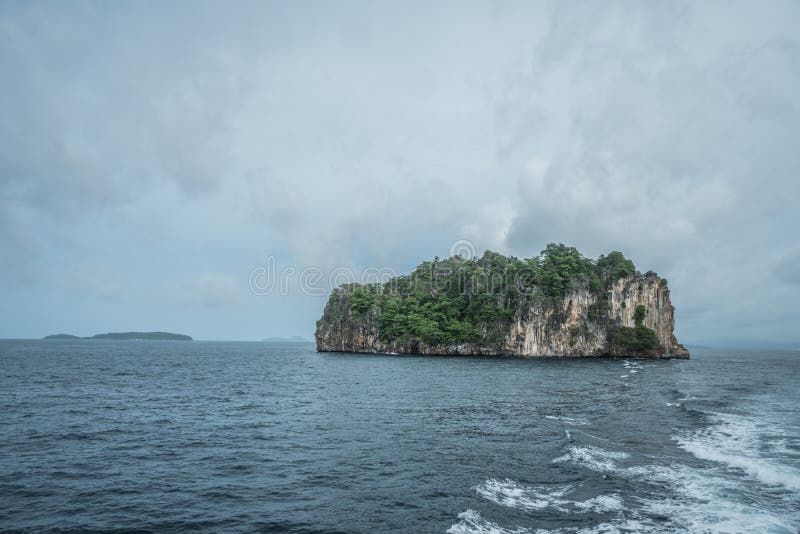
[176, 436]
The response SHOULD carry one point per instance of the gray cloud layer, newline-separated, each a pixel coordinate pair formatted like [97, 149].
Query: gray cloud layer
[152, 156]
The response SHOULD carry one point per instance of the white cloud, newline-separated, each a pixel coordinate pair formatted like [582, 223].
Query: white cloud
[490, 229]
[209, 290]
[152, 143]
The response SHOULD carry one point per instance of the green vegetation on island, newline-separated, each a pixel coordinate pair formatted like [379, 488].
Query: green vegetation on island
[474, 301]
[635, 340]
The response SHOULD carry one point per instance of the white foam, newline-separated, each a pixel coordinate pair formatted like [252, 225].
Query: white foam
[601, 503]
[511, 494]
[694, 500]
[737, 441]
[617, 527]
[702, 502]
[674, 404]
[568, 420]
[562, 458]
[748, 458]
[765, 471]
[594, 458]
[508, 493]
[471, 522]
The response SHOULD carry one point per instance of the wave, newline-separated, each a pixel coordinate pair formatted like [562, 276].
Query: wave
[568, 420]
[471, 522]
[704, 501]
[594, 458]
[601, 504]
[684, 498]
[686, 501]
[740, 442]
[511, 494]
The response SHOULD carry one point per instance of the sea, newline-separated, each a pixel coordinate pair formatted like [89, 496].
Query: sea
[171, 436]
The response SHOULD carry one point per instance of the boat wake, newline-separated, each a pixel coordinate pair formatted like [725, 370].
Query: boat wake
[511, 494]
[750, 445]
[748, 482]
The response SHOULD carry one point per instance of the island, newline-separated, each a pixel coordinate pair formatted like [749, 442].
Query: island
[557, 304]
[159, 336]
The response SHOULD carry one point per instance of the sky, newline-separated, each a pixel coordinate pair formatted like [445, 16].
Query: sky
[212, 168]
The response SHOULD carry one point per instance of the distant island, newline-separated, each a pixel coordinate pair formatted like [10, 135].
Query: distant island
[161, 336]
[557, 304]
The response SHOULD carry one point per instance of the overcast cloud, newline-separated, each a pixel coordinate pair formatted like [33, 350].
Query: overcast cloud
[152, 155]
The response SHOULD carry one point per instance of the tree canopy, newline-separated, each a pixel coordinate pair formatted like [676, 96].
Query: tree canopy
[456, 300]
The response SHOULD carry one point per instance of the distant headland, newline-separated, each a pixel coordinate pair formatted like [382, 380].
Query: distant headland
[160, 336]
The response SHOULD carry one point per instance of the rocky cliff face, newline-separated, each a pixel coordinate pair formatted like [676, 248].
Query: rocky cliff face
[569, 326]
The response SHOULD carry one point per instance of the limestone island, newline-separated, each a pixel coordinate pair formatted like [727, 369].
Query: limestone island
[133, 336]
[557, 304]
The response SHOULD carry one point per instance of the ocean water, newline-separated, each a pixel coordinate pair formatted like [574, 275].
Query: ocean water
[176, 436]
